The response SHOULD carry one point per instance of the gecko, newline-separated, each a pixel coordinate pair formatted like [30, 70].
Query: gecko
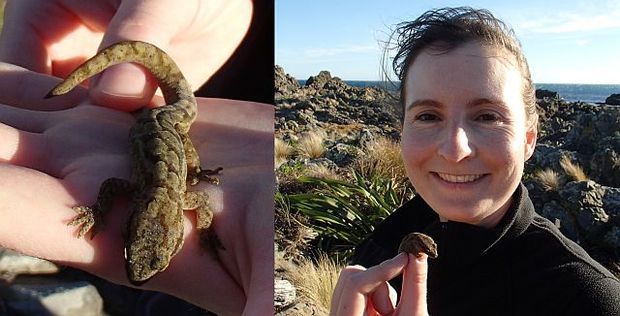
[164, 164]
[416, 243]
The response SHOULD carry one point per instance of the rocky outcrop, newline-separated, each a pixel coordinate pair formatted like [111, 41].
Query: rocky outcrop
[285, 85]
[348, 115]
[542, 94]
[587, 211]
[587, 133]
[613, 99]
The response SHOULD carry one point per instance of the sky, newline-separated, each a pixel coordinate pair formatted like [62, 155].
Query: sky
[567, 41]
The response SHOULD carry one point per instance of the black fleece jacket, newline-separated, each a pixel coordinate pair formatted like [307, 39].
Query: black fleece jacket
[523, 266]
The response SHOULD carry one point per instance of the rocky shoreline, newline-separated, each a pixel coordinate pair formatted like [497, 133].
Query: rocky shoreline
[572, 135]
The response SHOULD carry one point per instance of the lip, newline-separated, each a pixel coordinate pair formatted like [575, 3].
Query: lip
[460, 181]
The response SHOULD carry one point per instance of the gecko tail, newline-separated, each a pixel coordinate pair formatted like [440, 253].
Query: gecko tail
[156, 61]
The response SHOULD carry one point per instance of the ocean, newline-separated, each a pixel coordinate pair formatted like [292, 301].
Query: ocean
[592, 93]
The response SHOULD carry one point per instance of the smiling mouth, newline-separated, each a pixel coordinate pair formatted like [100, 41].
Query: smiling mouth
[452, 178]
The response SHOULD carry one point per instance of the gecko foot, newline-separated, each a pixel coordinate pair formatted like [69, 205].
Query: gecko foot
[205, 175]
[88, 219]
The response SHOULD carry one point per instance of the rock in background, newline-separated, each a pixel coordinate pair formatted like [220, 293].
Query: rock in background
[587, 210]
[347, 115]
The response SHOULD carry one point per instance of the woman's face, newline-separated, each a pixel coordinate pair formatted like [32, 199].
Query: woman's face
[465, 137]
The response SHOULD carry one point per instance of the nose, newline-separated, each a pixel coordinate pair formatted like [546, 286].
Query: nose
[455, 144]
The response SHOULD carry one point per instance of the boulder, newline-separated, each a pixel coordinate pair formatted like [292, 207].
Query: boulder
[319, 80]
[605, 162]
[613, 99]
[343, 154]
[284, 83]
[543, 94]
[585, 200]
[39, 296]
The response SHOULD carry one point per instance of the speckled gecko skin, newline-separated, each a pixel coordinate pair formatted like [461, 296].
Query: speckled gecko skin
[164, 163]
[416, 243]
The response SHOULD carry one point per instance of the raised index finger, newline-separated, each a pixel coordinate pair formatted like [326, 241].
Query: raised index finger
[375, 276]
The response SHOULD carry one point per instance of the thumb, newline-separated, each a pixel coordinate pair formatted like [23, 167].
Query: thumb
[413, 294]
[128, 86]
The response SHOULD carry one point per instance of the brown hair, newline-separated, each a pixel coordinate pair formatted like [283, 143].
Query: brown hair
[446, 29]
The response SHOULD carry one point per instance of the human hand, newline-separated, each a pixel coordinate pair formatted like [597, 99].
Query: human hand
[53, 160]
[362, 291]
[55, 36]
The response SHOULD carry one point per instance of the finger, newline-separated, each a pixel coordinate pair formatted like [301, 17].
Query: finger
[343, 280]
[36, 33]
[375, 276]
[22, 88]
[357, 285]
[26, 120]
[413, 294]
[24, 149]
[33, 215]
[126, 86]
[383, 299]
[19, 45]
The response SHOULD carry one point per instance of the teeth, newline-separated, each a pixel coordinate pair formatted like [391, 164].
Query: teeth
[459, 178]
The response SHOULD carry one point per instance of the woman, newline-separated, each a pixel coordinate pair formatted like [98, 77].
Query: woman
[469, 125]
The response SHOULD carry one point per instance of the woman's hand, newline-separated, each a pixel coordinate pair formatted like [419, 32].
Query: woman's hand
[55, 36]
[362, 291]
[53, 160]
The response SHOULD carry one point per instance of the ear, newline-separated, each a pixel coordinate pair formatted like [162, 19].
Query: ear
[530, 141]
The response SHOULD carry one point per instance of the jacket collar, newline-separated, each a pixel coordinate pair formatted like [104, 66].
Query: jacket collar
[462, 243]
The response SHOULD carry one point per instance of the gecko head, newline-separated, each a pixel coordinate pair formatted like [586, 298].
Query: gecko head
[150, 246]
[142, 268]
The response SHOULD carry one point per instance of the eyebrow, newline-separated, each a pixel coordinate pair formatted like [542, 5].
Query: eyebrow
[474, 102]
[421, 102]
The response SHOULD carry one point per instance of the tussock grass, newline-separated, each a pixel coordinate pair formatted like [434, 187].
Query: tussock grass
[283, 150]
[321, 171]
[549, 179]
[316, 281]
[382, 158]
[572, 170]
[311, 145]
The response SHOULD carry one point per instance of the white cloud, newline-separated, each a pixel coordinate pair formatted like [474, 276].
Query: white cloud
[593, 19]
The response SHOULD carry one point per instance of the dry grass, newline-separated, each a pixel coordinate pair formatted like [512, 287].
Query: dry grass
[292, 233]
[549, 179]
[283, 151]
[321, 171]
[311, 145]
[316, 282]
[572, 170]
[382, 157]
[2, 3]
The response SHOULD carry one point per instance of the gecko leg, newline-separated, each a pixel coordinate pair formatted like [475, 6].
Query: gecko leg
[199, 201]
[90, 218]
[196, 174]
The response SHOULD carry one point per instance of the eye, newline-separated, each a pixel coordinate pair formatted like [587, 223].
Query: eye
[426, 117]
[489, 117]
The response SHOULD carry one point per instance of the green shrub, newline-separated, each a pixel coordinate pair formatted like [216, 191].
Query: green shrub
[344, 213]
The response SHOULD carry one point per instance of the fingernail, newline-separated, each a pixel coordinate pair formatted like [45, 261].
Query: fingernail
[422, 258]
[124, 80]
